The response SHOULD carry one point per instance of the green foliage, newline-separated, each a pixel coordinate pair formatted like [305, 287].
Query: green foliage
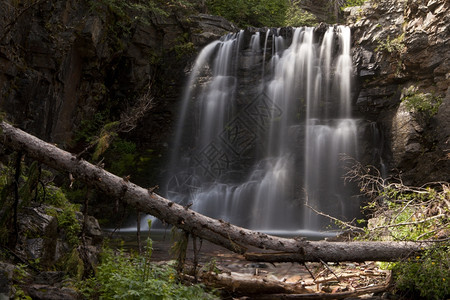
[122, 276]
[350, 3]
[408, 213]
[27, 190]
[125, 156]
[54, 196]
[297, 17]
[107, 134]
[20, 294]
[73, 264]
[257, 13]
[426, 276]
[89, 129]
[393, 46]
[65, 214]
[20, 272]
[184, 46]
[211, 266]
[426, 103]
[20, 277]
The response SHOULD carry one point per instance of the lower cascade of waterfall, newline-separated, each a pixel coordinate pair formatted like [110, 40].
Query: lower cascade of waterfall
[263, 122]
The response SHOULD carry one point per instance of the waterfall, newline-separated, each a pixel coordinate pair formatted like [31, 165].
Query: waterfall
[261, 126]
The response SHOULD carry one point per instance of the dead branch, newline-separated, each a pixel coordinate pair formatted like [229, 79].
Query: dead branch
[338, 221]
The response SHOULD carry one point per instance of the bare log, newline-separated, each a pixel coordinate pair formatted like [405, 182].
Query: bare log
[342, 251]
[234, 238]
[247, 284]
[313, 296]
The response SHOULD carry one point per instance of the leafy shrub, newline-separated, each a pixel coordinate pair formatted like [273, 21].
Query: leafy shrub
[426, 103]
[350, 3]
[426, 276]
[392, 46]
[66, 217]
[122, 276]
[64, 211]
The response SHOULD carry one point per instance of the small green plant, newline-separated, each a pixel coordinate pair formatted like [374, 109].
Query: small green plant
[65, 213]
[183, 46]
[393, 46]
[350, 3]
[425, 276]
[131, 276]
[426, 103]
[211, 266]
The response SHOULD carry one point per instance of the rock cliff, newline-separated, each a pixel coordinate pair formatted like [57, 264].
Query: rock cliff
[66, 62]
[401, 49]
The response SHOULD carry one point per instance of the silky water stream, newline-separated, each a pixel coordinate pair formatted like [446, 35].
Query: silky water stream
[263, 121]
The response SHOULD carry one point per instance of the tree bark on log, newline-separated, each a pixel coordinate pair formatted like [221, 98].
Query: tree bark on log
[246, 284]
[256, 287]
[231, 237]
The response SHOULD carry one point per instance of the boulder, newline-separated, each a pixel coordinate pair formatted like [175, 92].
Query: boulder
[38, 233]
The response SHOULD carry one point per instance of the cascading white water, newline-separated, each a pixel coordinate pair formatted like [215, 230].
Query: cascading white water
[252, 151]
[329, 134]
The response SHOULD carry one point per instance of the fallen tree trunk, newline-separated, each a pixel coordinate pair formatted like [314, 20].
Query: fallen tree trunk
[334, 296]
[262, 288]
[247, 284]
[232, 237]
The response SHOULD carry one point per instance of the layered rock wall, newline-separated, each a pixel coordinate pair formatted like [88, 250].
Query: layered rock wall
[64, 62]
[398, 45]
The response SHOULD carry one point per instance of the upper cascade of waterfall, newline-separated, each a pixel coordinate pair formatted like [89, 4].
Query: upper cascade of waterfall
[263, 120]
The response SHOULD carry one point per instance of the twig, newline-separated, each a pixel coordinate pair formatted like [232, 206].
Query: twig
[334, 219]
[138, 231]
[329, 269]
[16, 196]
[196, 252]
[309, 271]
[402, 210]
[431, 232]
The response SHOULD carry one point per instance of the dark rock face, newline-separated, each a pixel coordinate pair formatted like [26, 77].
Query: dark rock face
[399, 44]
[41, 238]
[64, 62]
[39, 235]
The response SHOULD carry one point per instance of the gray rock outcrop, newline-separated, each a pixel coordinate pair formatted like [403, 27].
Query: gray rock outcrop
[71, 61]
[398, 45]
